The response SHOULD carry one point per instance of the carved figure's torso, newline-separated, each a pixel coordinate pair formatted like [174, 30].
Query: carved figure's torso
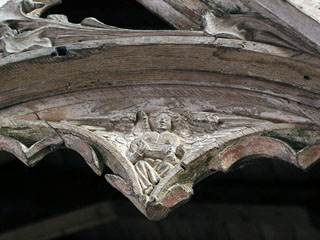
[156, 142]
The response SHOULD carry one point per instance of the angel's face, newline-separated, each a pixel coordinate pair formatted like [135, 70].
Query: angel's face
[163, 122]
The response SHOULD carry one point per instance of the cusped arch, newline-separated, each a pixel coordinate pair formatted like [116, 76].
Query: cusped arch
[32, 155]
[82, 140]
[255, 147]
[80, 144]
[309, 156]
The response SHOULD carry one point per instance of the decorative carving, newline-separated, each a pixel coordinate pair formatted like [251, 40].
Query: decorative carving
[15, 16]
[158, 153]
[226, 26]
[250, 27]
[22, 28]
[279, 23]
[153, 143]
[156, 156]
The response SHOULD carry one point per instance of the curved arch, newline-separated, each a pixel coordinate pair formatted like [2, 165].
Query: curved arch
[30, 156]
[111, 155]
[78, 139]
[34, 154]
[102, 69]
[221, 65]
[256, 146]
[85, 150]
[15, 147]
[308, 156]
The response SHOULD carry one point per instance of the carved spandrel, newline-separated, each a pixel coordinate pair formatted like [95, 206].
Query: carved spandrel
[155, 143]
[156, 157]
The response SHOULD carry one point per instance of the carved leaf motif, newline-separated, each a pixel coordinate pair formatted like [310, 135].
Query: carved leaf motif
[249, 27]
[22, 28]
[225, 26]
[17, 43]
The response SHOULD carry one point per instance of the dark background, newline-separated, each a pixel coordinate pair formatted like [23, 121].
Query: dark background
[266, 199]
[121, 13]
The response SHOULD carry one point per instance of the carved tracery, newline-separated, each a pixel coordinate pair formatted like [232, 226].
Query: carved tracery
[240, 86]
[156, 157]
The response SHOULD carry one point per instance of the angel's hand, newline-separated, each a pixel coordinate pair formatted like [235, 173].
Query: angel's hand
[168, 150]
[180, 151]
[142, 146]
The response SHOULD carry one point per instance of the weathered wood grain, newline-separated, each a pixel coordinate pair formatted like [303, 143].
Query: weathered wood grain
[161, 109]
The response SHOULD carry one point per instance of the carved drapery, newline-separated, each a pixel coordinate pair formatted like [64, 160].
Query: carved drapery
[156, 158]
[161, 109]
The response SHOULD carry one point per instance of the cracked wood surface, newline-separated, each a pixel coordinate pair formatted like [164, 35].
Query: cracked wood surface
[277, 22]
[160, 109]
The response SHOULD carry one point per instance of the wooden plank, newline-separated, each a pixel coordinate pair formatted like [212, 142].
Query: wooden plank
[173, 16]
[65, 224]
[290, 15]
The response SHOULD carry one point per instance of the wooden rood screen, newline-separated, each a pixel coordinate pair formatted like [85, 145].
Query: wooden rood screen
[163, 109]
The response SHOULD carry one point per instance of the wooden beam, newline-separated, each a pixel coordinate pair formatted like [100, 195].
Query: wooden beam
[65, 224]
[291, 15]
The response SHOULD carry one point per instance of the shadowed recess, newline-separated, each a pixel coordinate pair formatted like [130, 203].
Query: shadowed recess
[63, 182]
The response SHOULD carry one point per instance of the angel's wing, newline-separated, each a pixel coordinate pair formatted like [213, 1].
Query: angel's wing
[206, 128]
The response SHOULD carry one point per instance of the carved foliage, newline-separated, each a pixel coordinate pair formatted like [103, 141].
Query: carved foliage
[251, 27]
[22, 28]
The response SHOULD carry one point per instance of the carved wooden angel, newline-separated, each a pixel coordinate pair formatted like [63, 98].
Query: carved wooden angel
[157, 151]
